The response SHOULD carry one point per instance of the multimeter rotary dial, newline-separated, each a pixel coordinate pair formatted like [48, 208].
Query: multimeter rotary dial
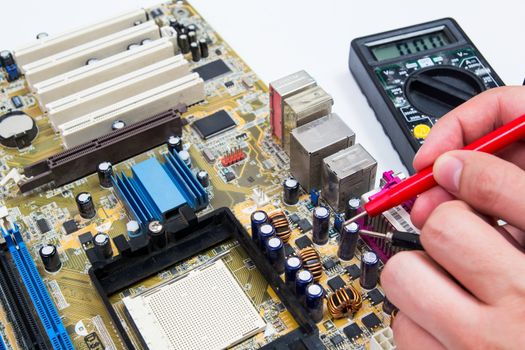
[437, 90]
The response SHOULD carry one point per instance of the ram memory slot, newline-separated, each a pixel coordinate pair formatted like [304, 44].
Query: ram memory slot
[37, 291]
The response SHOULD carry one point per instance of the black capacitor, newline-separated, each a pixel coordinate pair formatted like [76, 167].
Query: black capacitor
[174, 24]
[85, 204]
[321, 221]
[6, 58]
[175, 143]
[275, 253]
[314, 301]
[352, 208]
[118, 124]
[102, 244]
[204, 48]
[369, 270]
[302, 280]
[191, 28]
[105, 172]
[204, 178]
[157, 234]
[50, 258]
[266, 231]
[348, 241]
[388, 307]
[184, 43]
[257, 219]
[292, 265]
[290, 191]
[195, 52]
[192, 36]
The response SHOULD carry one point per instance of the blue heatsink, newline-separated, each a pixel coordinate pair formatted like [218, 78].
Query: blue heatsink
[36, 289]
[155, 190]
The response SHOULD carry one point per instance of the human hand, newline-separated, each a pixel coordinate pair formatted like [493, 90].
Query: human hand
[468, 290]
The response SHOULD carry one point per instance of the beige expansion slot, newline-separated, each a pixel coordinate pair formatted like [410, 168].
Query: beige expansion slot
[101, 48]
[51, 45]
[115, 90]
[187, 90]
[109, 68]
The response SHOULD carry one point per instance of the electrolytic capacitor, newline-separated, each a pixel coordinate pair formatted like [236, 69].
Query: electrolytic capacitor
[6, 58]
[257, 219]
[50, 258]
[191, 28]
[184, 43]
[195, 52]
[348, 241]
[290, 191]
[117, 125]
[105, 172]
[302, 280]
[133, 228]
[314, 301]
[203, 178]
[204, 48]
[291, 267]
[369, 270]
[102, 244]
[275, 253]
[85, 205]
[192, 36]
[185, 157]
[352, 208]
[175, 143]
[157, 234]
[321, 219]
[266, 231]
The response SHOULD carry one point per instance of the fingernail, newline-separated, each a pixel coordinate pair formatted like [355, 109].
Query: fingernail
[447, 172]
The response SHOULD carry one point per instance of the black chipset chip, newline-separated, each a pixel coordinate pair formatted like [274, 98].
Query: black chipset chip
[70, 226]
[352, 331]
[336, 283]
[214, 124]
[43, 226]
[212, 70]
[303, 242]
[304, 225]
[371, 321]
[354, 271]
[375, 296]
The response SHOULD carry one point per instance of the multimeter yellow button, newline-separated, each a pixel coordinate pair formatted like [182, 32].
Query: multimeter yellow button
[421, 131]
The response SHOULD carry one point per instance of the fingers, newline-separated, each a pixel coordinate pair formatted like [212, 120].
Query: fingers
[426, 203]
[408, 335]
[473, 119]
[489, 184]
[429, 297]
[472, 251]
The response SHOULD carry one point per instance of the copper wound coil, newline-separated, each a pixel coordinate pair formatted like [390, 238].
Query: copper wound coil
[343, 302]
[312, 262]
[282, 227]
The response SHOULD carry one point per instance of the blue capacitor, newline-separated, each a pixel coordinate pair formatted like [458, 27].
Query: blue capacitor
[314, 301]
[314, 197]
[266, 231]
[321, 218]
[338, 221]
[348, 241]
[257, 219]
[292, 266]
[302, 280]
[369, 270]
[275, 253]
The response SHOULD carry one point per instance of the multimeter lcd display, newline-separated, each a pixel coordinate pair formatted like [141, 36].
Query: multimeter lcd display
[407, 46]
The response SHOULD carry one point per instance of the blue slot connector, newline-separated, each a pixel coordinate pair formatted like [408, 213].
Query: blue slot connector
[156, 189]
[2, 344]
[36, 289]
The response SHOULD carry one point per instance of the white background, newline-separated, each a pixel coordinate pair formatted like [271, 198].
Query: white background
[278, 37]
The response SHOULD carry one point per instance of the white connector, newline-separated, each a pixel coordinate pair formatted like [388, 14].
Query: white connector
[110, 92]
[52, 45]
[98, 49]
[109, 68]
[187, 90]
[383, 340]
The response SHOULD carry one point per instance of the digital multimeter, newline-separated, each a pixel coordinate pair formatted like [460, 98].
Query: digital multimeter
[412, 76]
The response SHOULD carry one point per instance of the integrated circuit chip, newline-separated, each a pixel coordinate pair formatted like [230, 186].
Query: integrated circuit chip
[212, 70]
[304, 225]
[371, 321]
[214, 124]
[303, 242]
[70, 226]
[375, 296]
[352, 331]
[43, 226]
[336, 283]
[354, 271]
[171, 316]
[336, 340]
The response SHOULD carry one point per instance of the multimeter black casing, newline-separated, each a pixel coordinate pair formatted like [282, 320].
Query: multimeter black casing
[411, 91]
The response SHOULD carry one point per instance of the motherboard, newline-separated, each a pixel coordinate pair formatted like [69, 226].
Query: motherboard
[156, 194]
